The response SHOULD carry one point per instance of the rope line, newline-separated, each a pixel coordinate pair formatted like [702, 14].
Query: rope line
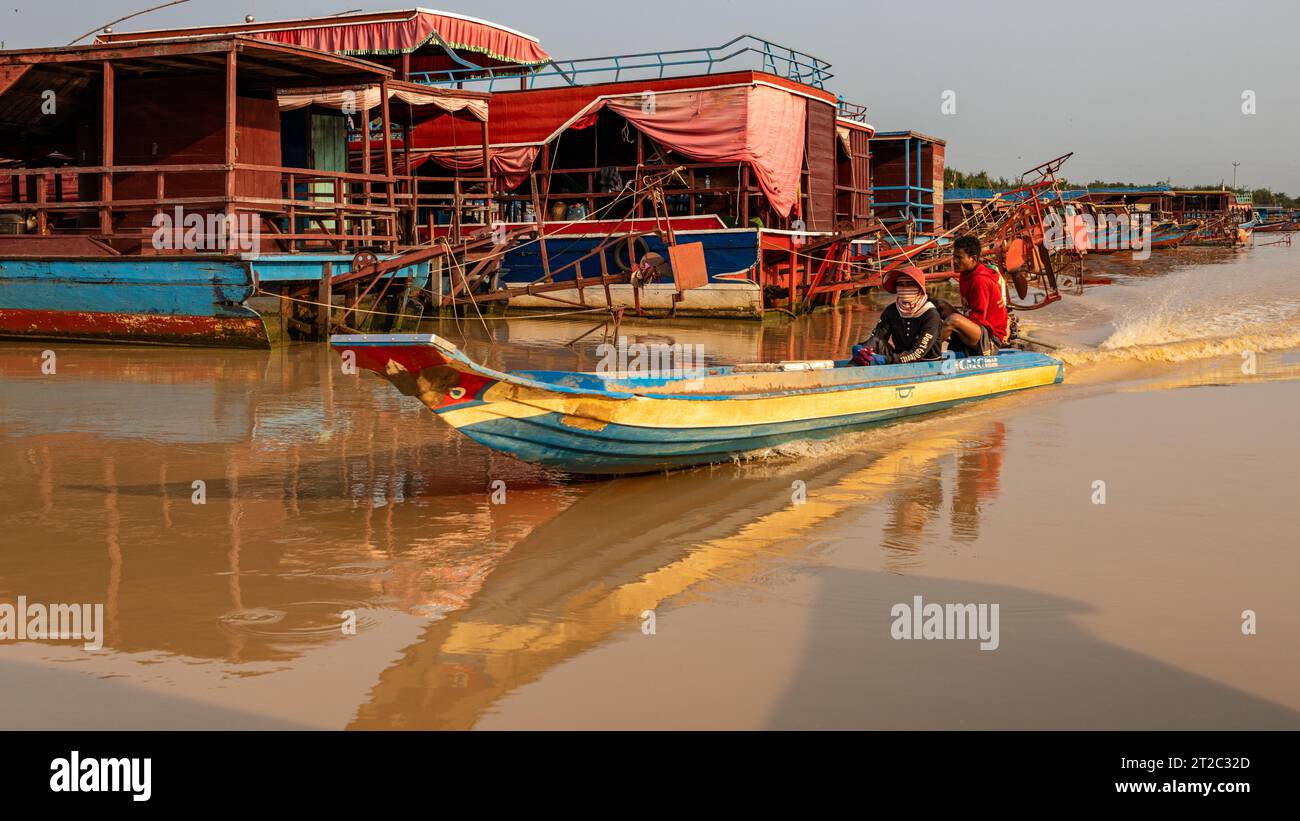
[422, 316]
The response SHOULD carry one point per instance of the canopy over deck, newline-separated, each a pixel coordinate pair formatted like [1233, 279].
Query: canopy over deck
[426, 40]
[745, 117]
[367, 97]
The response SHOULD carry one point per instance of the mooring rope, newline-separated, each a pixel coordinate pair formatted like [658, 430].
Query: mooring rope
[420, 317]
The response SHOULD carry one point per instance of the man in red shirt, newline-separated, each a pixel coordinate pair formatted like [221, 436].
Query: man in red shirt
[984, 326]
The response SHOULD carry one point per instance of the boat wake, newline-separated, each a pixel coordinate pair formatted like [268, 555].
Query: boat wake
[1199, 313]
[1280, 336]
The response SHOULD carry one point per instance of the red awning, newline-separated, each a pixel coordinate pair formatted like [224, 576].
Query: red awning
[753, 121]
[510, 164]
[419, 29]
[758, 125]
[377, 34]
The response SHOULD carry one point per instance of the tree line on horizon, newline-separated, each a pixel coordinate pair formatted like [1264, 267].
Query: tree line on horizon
[952, 178]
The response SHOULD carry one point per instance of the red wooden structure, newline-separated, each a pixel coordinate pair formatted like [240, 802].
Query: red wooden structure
[100, 140]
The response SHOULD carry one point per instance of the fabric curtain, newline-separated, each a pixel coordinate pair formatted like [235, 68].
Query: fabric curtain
[361, 98]
[365, 98]
[448, 103]
[512, 163]
[759, 125]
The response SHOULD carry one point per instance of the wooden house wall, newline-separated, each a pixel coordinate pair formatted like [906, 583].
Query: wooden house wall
[169, 121]
[821, 161]
[181, 121]
[853, 196]
[936, 177]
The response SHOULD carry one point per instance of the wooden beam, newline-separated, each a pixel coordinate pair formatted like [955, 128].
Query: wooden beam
[412, 187]
[388, 151]
[232, 124]
[387, 126]
[106, 153]
[640, 161]
[365, 149]
[487, 160]
[94, 53]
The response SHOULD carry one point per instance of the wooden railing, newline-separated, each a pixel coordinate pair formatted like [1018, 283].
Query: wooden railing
[687, 196]
[309, 208]
[461, 204]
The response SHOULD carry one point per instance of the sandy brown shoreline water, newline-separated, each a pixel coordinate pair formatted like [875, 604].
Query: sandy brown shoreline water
[327, 493]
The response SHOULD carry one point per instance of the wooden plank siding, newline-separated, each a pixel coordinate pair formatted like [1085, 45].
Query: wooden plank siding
[820, 154]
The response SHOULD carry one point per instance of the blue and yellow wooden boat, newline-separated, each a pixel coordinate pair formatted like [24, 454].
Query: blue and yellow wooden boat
[613, 423]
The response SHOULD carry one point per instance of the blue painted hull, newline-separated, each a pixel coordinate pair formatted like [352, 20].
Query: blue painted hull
[160, 300]
[726, 252]
[636, 422]
[129, 299]
[622, 449]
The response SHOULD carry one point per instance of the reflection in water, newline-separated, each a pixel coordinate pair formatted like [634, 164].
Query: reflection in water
[558, 593]
[973, 471]
[911, 509]
[979, 469]
[323, 493]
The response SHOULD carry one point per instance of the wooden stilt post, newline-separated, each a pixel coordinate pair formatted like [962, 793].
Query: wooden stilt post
[794, 279]
[539, 208]
[487, 157]
[325, 296]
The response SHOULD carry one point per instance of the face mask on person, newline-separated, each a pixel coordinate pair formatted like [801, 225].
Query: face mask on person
[910, 300]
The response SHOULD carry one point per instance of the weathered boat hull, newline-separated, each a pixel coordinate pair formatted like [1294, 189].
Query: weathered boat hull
[616, 423]
[129, 299]
[164, 301]
[242, 331]
[1161, 237]
[1276, 227]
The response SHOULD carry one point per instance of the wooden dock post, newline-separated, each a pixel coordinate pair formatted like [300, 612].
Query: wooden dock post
[325, 296]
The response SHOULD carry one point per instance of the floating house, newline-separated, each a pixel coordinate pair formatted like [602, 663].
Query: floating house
[749, 153]
[230, 185]
[1189, 204]
[907, 181]
[162, 190]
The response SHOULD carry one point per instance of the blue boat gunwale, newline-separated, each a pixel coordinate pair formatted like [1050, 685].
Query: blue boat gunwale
[916, 373]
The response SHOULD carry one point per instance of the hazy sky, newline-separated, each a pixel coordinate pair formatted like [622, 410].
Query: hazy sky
[1140, 91]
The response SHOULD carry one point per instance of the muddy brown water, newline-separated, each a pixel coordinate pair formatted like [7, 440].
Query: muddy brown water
[744, 595]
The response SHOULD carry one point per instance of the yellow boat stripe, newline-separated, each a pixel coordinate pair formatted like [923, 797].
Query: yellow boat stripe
[505, 400]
